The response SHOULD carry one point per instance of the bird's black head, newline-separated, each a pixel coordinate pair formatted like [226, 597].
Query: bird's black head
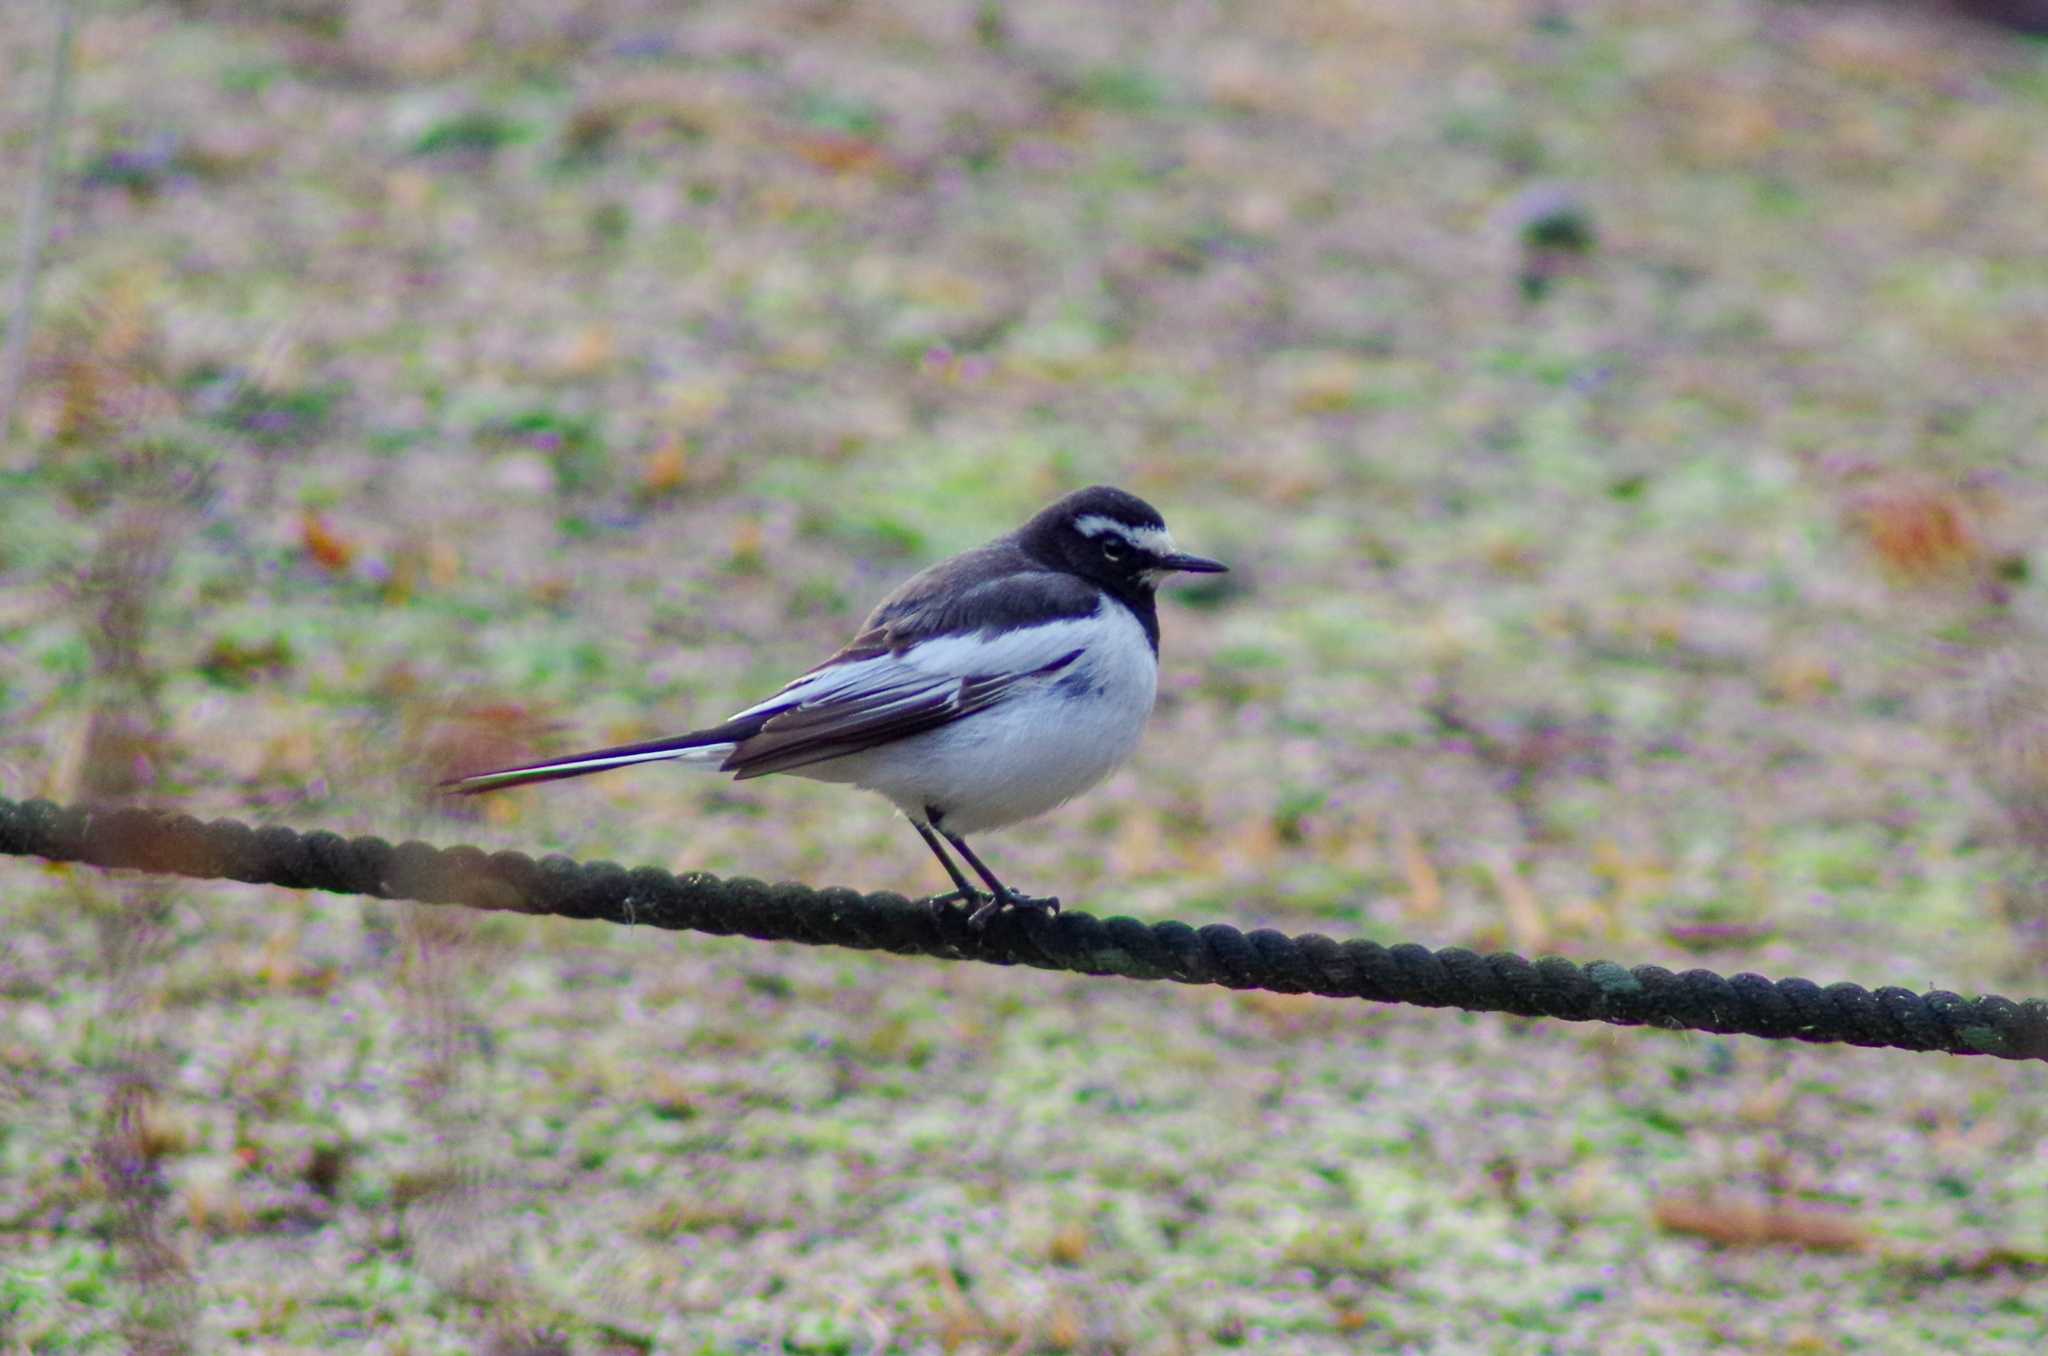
[1110, 537]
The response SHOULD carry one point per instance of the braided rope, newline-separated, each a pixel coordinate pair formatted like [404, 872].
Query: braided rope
[1647, 995]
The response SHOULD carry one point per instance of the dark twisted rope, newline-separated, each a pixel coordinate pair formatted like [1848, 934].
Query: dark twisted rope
[1647, 995]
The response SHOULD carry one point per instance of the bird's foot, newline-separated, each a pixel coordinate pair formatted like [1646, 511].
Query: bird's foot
[1010, 899]
[984, 907]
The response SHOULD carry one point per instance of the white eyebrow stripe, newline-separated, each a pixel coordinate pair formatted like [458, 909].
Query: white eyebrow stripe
[1155, 540]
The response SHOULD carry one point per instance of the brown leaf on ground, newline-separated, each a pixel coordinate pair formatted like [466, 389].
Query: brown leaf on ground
[1733, 1222]
[581, 354]
[1425, 886]
[663, 470]
[1918, 529]
[328, 548]
[1528, 928]
[838, 153]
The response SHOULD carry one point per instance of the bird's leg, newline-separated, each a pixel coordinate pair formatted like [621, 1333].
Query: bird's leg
[966, 893]
[1003, 897]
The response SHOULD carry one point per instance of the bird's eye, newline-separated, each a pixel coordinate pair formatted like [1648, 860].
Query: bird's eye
[1112, 551]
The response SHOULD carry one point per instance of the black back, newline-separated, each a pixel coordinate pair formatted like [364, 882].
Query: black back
[1045, 571]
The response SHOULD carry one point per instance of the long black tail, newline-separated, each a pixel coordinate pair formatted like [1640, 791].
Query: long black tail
[711, 746]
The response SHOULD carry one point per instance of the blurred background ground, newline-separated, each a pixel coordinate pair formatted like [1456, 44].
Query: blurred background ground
[1626, 423]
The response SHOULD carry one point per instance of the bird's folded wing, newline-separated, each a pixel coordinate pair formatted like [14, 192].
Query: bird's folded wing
[874, 701]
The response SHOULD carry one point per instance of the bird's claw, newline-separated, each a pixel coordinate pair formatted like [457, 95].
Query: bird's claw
[1010, 899]
[986, 906]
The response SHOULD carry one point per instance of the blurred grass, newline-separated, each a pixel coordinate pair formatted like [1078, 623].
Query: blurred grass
[529, 377]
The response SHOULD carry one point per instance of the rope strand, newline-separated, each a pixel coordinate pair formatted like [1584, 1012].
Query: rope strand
[1452, 977]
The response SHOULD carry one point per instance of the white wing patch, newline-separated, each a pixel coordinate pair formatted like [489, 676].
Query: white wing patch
[1048, 738]
[931, 665]
[854, 708]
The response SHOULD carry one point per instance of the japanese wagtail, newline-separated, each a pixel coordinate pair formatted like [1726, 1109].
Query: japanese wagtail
[989, 688]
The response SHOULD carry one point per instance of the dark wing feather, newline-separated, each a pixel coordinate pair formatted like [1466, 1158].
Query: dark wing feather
[992, 588]
[816, 732]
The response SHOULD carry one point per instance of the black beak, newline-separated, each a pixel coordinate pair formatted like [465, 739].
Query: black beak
[1188, 564]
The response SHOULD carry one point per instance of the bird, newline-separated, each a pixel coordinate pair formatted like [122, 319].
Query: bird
[987, 689]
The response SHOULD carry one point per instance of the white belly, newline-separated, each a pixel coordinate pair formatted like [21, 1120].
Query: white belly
[1041, 746]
